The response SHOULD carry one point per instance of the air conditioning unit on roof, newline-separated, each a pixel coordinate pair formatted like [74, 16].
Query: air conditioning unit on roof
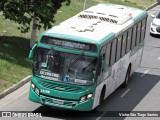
[116, 14]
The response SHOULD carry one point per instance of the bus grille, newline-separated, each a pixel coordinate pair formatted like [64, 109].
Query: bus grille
[48, 100]
[66, 88]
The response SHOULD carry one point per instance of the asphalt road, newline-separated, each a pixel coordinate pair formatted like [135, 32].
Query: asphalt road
[142, 93]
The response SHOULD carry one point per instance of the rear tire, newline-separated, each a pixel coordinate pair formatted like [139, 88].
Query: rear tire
[125, 83]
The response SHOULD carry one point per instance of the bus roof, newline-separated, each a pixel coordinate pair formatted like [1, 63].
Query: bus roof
[98, 22]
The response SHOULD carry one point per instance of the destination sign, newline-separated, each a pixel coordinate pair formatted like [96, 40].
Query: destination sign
[68, 44]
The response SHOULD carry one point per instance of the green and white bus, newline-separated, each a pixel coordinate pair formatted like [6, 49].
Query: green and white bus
[80, 62]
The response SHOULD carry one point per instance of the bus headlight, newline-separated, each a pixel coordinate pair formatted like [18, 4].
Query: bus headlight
[89, 96]
[86, 97]
[36, 90]
[33, 86]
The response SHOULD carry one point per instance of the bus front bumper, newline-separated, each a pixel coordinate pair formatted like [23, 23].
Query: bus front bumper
[65, 104]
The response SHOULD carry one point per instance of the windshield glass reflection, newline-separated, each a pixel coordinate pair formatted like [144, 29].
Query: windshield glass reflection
[64, 67]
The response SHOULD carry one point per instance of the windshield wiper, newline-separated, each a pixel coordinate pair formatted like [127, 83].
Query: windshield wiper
[76, 60]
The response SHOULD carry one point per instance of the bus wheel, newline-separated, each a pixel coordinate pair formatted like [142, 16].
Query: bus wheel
[125, 83]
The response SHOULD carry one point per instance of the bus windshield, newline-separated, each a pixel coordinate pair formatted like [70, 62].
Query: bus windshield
[64, 67]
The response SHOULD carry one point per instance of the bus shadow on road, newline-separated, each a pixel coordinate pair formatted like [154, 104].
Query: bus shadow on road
[138, 87]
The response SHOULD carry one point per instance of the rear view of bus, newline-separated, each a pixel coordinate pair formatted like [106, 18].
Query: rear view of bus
[80, 62]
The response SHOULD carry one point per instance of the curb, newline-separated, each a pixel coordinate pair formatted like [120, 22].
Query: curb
[152, 6]
[15, 86]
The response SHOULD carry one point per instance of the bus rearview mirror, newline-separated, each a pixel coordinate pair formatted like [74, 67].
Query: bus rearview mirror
[31, 52]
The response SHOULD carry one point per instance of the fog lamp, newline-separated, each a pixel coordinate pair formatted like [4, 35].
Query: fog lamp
[37, 91]
[82, 99]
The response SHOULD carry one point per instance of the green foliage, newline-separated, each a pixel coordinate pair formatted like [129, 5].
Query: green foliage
[22, 12]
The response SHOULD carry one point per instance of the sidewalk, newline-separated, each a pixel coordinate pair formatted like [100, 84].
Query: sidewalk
[14, 95]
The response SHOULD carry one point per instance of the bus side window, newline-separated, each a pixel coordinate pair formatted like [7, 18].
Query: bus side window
[113, 52]
[134, 36]
[108, 53]
[119, 44]
[129, 36]
[124, 44]
[143, 28]
[138, 33]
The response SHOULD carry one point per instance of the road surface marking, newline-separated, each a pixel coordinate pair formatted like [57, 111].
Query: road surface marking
[101, 116]
[14, 99]
[145, 73]
[158, 58]
[125, 93]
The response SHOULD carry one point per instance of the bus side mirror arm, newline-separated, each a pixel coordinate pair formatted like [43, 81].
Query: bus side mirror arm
[31, 52]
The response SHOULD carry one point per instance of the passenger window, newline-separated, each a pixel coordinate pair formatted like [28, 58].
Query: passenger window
[143, 29]
[134, 36]
[113, 52]
[138, 33]
[129, 36]
[119, 44]
[124, 44]
[108, 53]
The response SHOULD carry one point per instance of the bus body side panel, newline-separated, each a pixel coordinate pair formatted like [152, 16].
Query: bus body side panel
[135, 58]
[112, 78]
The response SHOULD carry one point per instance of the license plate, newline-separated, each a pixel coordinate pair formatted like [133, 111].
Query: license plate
[60, 102]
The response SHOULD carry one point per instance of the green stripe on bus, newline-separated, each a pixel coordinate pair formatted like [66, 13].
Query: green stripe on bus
[139, 17]
[107, 38]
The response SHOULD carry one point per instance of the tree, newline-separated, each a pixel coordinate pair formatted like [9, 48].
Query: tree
[39, 12]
